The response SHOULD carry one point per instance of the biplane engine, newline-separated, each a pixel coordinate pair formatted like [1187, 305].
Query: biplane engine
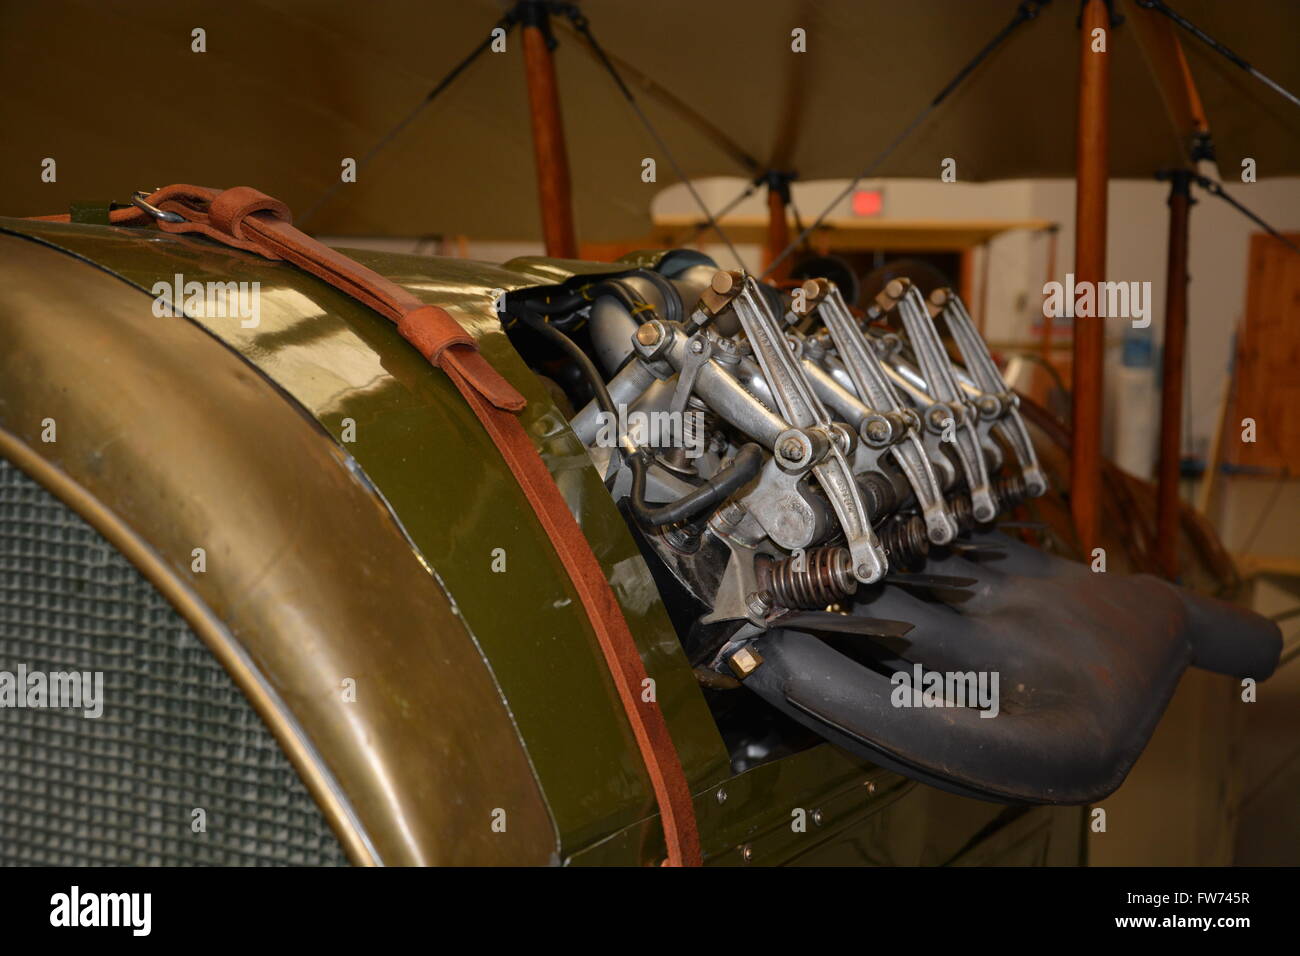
[815, 490]
[778, 452]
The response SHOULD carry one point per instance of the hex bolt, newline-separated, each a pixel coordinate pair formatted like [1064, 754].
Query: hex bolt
[745, 661]
[647, 334]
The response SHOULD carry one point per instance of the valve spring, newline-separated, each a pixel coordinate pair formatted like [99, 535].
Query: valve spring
[1010, 491]
[823, 576]
[962, 511]
[698, 428]
[905, 542]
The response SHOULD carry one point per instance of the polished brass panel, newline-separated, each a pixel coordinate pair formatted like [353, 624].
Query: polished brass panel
[167, 441]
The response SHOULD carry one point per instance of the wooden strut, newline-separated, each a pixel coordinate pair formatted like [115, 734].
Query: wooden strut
[1090, 266]
[554, 189]
[1049, 322]
[1157, 37]
[1171, 392]
[778, 230]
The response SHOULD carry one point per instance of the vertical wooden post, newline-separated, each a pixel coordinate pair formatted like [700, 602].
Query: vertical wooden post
[1171, 389]
[966, 278]
[982, 317]
[1090, 266]
[553, 186]
[778, 227]
[1049, 323]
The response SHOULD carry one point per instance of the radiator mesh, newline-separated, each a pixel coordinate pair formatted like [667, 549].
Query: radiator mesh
[176, 734]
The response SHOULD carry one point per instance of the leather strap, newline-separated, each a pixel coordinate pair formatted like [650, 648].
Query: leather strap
[250, 220]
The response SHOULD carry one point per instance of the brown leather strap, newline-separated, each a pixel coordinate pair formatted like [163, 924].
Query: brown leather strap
[247, 219]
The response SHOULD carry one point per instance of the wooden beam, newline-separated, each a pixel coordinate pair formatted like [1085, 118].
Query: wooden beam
[1158, 41]
[1049, 323]
[1092, 148]
[554, 190]
[982, 317]
[778, 235]
[1171, 391]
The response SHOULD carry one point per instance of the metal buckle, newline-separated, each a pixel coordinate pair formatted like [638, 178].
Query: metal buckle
[140, 199]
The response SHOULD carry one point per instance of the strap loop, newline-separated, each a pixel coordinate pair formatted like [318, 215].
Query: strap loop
[228, 211]
[432, 331]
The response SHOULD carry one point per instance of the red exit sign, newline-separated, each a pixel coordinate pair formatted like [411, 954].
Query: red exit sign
[868, 202]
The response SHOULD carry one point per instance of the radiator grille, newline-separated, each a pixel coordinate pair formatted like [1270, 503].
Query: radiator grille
[176, 734]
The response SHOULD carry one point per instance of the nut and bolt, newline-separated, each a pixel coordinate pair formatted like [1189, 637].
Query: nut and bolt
[878, 430]
[647, 334]
[760, 602]
[744, 662]
[792, 449]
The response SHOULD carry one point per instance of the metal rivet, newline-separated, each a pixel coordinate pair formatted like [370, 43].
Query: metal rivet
[722, 795]
[817, 817]
[747, 852]
[871, 787]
